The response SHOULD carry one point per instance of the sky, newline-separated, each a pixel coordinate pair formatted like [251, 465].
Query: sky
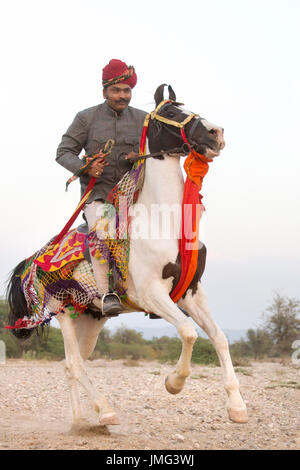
[234, 62]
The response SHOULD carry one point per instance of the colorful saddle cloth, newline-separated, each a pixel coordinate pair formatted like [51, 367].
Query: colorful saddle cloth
[49, 281]
[70, 249]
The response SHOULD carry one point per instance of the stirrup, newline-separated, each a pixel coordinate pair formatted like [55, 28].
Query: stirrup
[115, 308]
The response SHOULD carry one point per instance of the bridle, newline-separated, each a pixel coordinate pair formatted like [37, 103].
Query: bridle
[187, 145]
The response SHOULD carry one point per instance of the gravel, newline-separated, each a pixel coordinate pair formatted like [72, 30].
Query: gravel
[35, 410]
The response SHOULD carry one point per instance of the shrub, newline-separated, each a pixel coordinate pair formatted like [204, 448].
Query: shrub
[133, 351]
[204, 352]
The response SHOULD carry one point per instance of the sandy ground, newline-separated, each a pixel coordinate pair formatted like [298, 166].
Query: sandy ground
[35, 410]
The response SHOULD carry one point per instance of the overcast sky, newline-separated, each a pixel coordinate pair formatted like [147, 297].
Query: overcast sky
[234, 62]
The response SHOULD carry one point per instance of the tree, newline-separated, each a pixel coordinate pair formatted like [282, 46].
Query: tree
[259, 341]
[104, 335]
[283, 323]
[124, 335]
[240, 349]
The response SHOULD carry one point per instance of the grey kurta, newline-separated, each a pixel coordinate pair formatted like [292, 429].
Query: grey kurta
[90, 130]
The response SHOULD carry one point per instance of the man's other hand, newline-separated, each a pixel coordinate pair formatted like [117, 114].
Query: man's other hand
[131, 155]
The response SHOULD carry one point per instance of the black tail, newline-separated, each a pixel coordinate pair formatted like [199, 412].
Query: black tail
[17, 302]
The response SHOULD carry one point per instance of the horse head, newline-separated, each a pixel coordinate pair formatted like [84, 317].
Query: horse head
[170, 118]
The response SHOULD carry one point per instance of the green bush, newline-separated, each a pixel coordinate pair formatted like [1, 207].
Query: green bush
[204, 352]
[133, 351]
[125, 335]
[13, 347]
[167, 349]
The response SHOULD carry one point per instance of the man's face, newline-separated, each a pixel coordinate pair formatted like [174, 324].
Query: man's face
[118, 96]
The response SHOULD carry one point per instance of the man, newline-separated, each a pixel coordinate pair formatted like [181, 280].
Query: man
[91, 128]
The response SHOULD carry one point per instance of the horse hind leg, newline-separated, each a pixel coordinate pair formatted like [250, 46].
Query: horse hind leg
[55, 305]
[77, 412]
[77, 374]
[87, 330]
[197, 307]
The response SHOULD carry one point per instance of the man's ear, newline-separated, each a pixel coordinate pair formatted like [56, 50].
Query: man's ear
[104, 93]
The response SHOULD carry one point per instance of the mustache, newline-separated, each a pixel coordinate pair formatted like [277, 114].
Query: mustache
[122, 101]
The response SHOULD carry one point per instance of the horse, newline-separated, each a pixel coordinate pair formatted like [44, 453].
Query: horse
[153, 268]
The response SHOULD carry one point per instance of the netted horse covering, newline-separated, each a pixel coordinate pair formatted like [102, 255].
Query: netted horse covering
[48, 292]
[115, 249]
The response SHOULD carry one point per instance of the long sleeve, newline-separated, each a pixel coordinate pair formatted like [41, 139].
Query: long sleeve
[71, 145]
[90, 130]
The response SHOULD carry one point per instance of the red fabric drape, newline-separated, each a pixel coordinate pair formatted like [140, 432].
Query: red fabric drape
[196, 167]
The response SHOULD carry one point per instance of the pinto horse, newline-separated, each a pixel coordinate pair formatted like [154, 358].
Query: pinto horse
[153, 268]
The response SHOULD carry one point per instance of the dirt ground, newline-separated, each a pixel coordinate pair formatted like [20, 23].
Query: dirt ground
[35, 411]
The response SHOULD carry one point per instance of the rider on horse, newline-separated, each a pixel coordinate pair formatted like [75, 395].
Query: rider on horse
[114, 119]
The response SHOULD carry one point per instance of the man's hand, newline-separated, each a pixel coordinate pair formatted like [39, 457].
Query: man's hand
[97, 168]
[131, 155]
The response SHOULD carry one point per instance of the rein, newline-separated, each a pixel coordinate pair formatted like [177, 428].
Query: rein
[184, 149]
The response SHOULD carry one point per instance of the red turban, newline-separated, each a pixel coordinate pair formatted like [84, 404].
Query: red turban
[116, 72]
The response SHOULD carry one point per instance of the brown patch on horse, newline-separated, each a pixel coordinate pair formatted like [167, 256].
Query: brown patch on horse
[174, 270]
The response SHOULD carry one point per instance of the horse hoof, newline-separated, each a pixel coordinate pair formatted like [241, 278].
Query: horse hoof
[171, 389]
[109, 419]
[238, 415]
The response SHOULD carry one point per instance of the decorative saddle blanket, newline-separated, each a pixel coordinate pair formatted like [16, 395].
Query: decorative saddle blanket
[71, 248]
[57, 276]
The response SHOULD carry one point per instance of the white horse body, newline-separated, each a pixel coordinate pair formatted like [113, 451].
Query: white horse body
[163, 184]
[163, 187]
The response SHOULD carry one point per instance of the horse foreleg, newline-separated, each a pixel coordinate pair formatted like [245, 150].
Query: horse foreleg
[175, 381]
[158, 301]
[197, 307]
[77, 373]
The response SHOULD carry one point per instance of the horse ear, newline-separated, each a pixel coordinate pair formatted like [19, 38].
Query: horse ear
[159, 94]
[172, 95]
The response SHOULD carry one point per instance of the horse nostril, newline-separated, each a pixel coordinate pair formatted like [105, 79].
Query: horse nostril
[218, 134]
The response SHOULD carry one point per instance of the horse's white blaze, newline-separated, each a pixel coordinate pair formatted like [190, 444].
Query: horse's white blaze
[209, 126]
[184, 111]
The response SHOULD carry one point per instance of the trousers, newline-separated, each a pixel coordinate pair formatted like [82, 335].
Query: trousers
[93, 211]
